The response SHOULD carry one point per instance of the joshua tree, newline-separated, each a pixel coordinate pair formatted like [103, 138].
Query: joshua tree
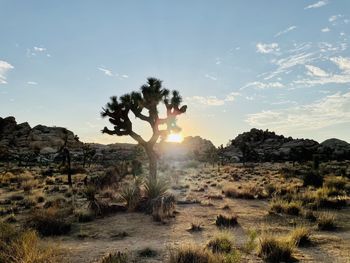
[151, 95]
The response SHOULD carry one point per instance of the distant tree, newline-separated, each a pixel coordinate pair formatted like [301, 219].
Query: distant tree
[151, 95]
[88, 154]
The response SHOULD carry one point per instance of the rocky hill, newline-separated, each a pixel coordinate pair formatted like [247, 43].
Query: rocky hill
[259, 145]
[21, 138]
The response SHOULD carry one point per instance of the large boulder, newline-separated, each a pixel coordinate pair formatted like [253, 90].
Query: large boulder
[335, 149]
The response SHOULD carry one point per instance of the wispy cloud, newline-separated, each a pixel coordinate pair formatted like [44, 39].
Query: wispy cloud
[4, 68]
[32, 83]
[208, 76]
[316, 71]
[291, 28]
[109, 73]
[213, 100]
[267, 48]
[39, 49]
[330, 110]
[263, 85]
[321, 77]
[325, 30]
[106, 71]
[317, 4]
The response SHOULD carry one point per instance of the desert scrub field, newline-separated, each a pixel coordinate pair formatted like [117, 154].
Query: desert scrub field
[204, 213]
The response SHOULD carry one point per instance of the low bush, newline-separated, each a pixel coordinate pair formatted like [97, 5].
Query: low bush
[221, 243]
[49, 222]
[326, 221]
[276, 250]
[226, 220]
[190, 254]
[24, 247]
[313, 178]
[336, 182]
[147, 253]
[118, 257]
[300, 236]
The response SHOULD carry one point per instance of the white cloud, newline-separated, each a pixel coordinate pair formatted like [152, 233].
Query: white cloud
[39, 49]
[32, 83]
[331, 110]
[210, 77]
[213, 100]
[325, 30]
[320, 77]
[267, 48]
[106, 71]
[262, 85]
[285, 31]
[342, 62]
[315, 71]
[4, 68]
[124, 76]
[317, 4]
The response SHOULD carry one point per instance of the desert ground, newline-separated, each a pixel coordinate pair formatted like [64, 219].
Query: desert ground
[264, 199]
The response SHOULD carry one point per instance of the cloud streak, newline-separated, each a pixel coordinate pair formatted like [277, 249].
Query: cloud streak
[267, 48]
[4, 68]
[213, 100]
[329, 111]
[291, 28]
[317, 4]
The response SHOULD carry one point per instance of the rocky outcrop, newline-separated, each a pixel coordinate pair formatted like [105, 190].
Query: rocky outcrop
[20, 139]
[335, 149]
[259, 145]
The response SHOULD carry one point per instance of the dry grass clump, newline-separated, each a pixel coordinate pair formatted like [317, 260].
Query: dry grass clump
[326, 221]
[118, 257]
[49, 222]
[23, 247]
[247, 192]
[221, 243]
[190, 253]
[29, 185]
[226, 220]
[336, 182]
[84, 216]
[250, 244]
[196, 226]
[278, 206]
[272, 249]
[300, 236]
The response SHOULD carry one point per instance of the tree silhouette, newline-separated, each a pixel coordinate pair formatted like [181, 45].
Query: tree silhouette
[151, 95]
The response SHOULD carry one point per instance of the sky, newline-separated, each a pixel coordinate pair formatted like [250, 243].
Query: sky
[278, 65]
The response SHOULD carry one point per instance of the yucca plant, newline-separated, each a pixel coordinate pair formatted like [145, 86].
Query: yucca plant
[155, 188]
[131, 193]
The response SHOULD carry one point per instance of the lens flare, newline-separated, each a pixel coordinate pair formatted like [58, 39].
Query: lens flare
[175, 137]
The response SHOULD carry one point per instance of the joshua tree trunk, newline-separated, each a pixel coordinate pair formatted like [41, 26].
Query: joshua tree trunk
[152, 157]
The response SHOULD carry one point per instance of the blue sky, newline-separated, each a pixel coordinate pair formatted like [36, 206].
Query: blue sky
[277, 65]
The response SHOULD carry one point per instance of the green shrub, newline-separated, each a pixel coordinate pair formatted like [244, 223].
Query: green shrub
[276, 250]
[221, 243]
[250, 244]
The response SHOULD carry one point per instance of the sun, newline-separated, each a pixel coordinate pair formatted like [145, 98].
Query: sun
[174, 137]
